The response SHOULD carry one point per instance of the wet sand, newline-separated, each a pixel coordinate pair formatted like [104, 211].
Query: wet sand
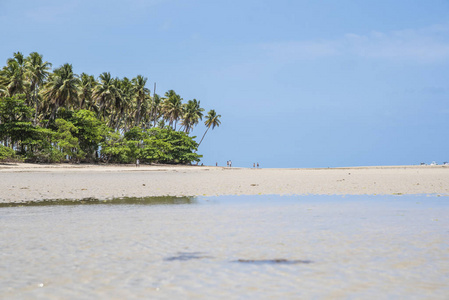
[31, 182]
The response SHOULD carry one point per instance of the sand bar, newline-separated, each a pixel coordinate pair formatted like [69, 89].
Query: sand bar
[33, 182]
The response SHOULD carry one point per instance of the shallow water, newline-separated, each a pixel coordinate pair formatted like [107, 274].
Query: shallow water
[245, 247]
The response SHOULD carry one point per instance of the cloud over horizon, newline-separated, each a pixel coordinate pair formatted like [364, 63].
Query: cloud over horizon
[426, 45]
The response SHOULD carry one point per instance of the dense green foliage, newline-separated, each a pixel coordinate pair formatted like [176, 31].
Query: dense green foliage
[60, 116]
[163, 145]
[6, 153]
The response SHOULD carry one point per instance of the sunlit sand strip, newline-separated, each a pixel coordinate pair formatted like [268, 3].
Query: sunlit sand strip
[30, 182]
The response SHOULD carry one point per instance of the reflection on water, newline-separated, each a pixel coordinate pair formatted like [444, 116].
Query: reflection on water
[187, 256]
[273, 261]
[165, 200]
[228, 247]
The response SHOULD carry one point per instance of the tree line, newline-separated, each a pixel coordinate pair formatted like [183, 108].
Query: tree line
[55, 115]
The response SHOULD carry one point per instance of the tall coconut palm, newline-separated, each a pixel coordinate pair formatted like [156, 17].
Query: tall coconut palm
[125, 109]
[212, 120]
[118, 103]
[145, 112]
[193, 113]
[156, 107]
[105, 93]
[3, 89]
[172, 108]
[12, 76]
[62, 88]
[141, 94]
[37, 70]
[86, 88]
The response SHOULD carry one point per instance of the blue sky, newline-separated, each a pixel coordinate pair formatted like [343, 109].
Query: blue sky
[298, 83]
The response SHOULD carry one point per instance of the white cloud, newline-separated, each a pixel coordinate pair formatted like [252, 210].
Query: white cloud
[427, 45]
[301, 50]
[424, 45]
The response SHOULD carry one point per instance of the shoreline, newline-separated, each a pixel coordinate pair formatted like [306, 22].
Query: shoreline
[23, 182]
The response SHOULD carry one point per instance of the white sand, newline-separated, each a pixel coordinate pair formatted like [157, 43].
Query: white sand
[28, 182]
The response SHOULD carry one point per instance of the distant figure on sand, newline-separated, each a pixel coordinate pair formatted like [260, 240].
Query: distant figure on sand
[230, 163]
[254, 165]
[257, 165]
[137, 163]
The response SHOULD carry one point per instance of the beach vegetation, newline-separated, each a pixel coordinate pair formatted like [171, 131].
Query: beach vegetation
[154, 145]
[66, 140]
[15, 124]
[57, 115]
[6, 153]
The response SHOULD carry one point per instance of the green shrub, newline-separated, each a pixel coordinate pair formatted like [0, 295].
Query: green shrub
[6, 153]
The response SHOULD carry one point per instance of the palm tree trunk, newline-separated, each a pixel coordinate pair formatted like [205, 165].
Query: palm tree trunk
[36, 105]
[203, 136]
[119, 119]
[137, 120]
[52, 115]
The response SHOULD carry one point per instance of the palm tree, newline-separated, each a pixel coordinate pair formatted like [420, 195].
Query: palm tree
[145, 112]
[86, 86]
[212, 120]
[141, 94]
[36, 72]
[156, 106]
[62, 88]
[193, 113]
[172, 108]
[12, 75]
[124, 108]
[105, 93]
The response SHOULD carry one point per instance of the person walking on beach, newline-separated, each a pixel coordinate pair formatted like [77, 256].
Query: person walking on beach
[230, 163]
[258, 165]
[137, 163]
[254, 165]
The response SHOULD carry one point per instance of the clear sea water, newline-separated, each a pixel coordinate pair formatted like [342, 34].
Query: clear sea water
[228, 247]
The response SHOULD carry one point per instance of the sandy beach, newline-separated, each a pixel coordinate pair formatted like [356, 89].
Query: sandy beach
[263, 247]
[31, 182]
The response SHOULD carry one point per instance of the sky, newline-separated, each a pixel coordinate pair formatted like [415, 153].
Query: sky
[298, 83]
